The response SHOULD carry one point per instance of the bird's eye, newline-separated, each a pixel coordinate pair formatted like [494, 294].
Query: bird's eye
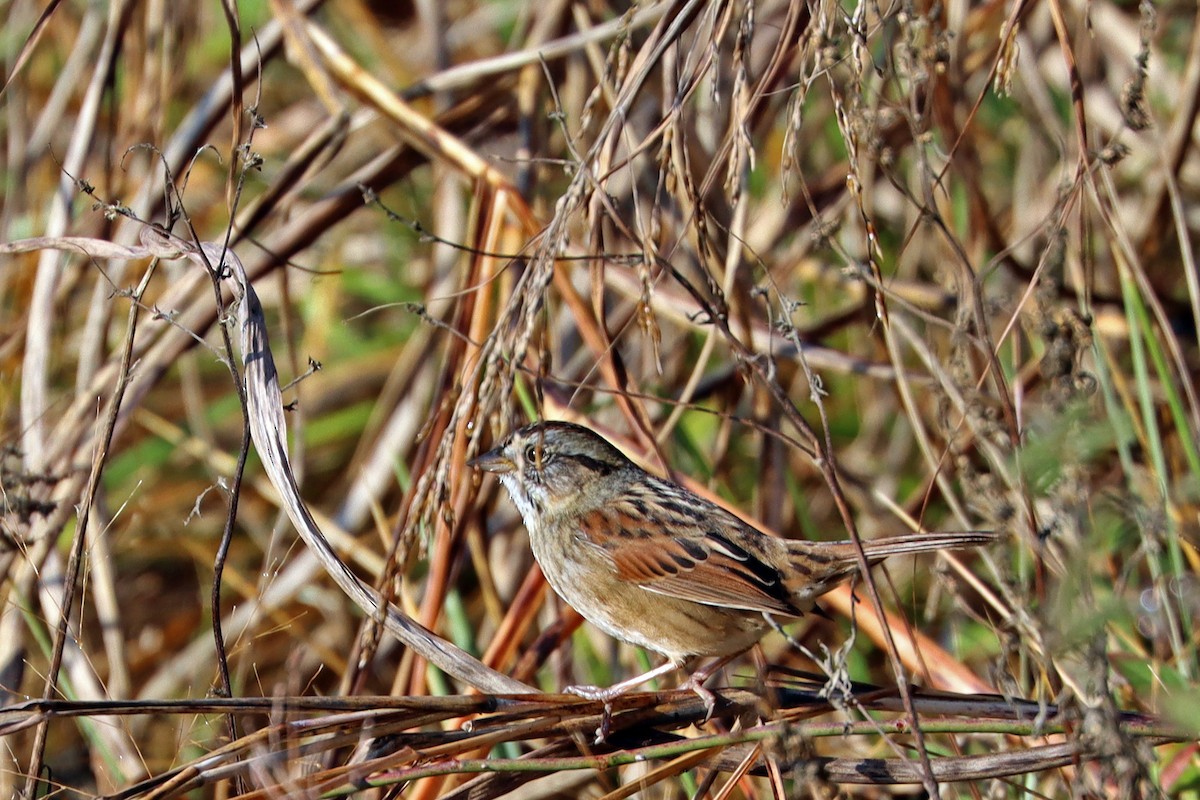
[536, 454]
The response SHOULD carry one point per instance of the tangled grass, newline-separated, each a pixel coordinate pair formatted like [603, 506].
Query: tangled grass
[849, 269]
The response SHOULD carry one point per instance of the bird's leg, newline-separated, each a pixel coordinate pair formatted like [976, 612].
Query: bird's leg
[607, 695]
[696, 682]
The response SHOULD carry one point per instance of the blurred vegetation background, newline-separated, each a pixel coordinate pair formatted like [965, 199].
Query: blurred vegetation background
[894, 265]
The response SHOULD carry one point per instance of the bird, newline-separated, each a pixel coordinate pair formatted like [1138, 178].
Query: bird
[651, 563]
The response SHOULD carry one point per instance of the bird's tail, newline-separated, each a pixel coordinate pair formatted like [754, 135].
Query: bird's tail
[879, 549]
[818, 566]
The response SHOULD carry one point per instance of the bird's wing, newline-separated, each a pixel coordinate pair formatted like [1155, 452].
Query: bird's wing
[700, 562]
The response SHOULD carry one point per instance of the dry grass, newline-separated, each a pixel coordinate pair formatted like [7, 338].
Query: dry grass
[844, 268]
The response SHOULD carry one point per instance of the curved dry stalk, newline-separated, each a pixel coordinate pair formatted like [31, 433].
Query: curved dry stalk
[269, 430]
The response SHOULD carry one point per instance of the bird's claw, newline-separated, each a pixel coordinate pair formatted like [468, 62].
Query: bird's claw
[601, 695]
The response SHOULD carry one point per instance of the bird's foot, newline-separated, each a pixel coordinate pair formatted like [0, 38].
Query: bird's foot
[601, 695]
[607, 695]
[710, 699]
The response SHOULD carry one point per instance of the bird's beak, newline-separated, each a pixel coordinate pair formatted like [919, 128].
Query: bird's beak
[493, 461]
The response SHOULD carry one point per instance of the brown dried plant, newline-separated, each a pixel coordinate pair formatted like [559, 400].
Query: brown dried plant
[850, 270]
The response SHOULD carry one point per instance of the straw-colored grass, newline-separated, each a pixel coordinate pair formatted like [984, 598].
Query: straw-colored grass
[850, 269]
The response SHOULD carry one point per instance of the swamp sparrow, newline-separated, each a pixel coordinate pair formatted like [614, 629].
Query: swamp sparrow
[653, 564]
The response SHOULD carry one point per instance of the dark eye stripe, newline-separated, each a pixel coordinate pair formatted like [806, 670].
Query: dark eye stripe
[594, 464]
